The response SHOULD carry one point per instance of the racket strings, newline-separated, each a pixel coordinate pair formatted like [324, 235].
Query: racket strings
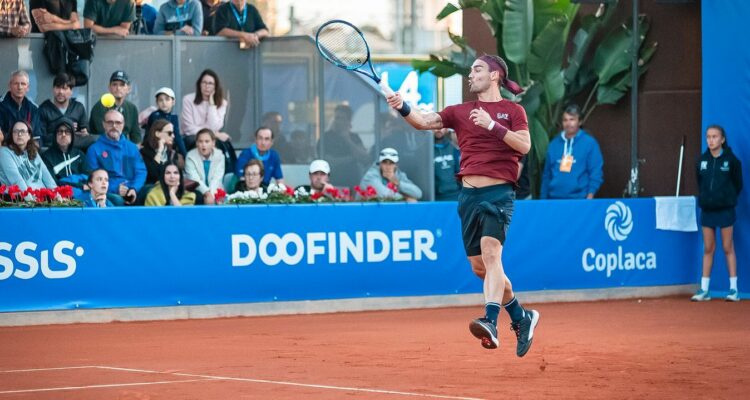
[343, 45]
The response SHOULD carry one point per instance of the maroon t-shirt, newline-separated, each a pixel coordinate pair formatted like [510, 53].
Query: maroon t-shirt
[482, 151]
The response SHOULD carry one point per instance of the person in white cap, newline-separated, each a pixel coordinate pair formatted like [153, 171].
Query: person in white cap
[320, 175]
[165, 101]
[389, 181]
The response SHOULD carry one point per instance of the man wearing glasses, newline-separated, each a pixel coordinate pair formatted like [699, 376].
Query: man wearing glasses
[120, 158]
[15, 106]
[119, 87]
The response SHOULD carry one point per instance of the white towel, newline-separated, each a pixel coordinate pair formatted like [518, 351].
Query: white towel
[676, 214]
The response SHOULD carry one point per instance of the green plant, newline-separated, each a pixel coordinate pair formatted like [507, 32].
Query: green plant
[554, 68]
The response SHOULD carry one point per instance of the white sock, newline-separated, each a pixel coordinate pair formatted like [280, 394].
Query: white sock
[704, 284]
[733, 283]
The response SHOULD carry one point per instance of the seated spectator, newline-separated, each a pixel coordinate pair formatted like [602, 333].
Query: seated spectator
[262, 151]
[242, 21]
[14, 21]
[207, 108]
[252, 178]
[180, 17]
[20, 162]
[301, 148]
[573, 167]
[66, 163]
[145, 18]
[165, 101]
[98, 184]
[62, 105]
[15, 106]
[320, 174]
[158, 150]
[205, 165]
[170, 191]
[210, 7]
[344, 149]
[446, 157]
[120, 158]
[54, 15]
[109, 17]
[388, 181]
[119, 87]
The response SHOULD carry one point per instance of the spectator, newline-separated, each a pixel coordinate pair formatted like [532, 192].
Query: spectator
[158, 150]
[14, 20]
[145, 17]
[719, 175]
[207, 108]
[170, 191]
[205, 165]
[20, 162]
[180, 17]
[252, 178]
[300, 149]
[320, 175]
[62, 105]
[388, 181]
[573, 166]
[2, 138]
[120, 157]
[262, 150]
[242, 21]
[98, 184]
[446, 157]
[109, 17]
[15, 106]
[54, 15]
[165, 101]
[66, 163]
[210, 7]
[119, 87]
[343, 148]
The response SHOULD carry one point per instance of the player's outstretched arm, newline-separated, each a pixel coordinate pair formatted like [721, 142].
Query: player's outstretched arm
[416, 118]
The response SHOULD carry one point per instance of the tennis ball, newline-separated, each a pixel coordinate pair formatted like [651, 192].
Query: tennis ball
[108, 100]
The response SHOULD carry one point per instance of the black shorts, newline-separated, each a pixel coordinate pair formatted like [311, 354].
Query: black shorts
[484, 212]
[720, 218]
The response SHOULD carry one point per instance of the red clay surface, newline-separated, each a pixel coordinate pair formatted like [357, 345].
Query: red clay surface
[662, 348]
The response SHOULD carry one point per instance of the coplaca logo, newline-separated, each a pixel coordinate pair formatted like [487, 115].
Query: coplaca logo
[618, 221]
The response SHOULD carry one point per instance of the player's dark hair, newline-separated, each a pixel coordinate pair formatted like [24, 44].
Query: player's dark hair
[721, 130]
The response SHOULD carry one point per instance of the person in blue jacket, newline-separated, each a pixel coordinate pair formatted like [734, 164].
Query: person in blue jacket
[120, 158]
[262, 151]
[573, 166]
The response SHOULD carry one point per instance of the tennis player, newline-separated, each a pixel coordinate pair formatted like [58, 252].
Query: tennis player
[493, 135]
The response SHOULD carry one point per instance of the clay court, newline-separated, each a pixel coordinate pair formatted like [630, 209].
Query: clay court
[657, 348]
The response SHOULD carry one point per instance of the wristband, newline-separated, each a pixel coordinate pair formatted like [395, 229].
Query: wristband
[500, 130]
[491, 125]
[405, 109]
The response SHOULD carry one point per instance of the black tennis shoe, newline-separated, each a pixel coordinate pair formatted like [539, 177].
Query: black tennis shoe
[524, 330]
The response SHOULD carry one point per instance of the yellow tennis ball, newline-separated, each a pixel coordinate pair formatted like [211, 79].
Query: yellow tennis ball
[108, 100]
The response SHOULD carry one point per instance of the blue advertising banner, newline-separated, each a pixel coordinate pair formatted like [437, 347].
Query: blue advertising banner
[139, 257]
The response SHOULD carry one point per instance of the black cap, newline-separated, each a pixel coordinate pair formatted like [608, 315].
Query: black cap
[119, 75]
[66, 122]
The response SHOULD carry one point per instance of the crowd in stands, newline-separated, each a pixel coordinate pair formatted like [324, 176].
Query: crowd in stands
[159, 157]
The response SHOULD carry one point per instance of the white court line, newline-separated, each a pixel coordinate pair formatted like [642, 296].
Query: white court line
[48, 369]
[101, 386]
[220, 378]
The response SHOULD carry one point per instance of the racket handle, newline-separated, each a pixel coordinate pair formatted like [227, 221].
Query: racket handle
[387, 91]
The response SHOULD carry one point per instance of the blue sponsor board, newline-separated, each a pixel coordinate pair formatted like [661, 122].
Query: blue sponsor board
[139, 257]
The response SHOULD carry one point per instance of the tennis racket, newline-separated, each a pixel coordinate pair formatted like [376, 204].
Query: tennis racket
[344, 46]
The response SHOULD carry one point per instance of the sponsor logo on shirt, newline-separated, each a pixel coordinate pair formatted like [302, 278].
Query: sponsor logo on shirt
[503, 116]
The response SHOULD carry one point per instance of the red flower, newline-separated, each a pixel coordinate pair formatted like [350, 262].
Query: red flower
[220, 195]
[2, 189]
[28, 191]
[66, 192]
[44, 194]
[290, 191]
[371, 191]
[393, 187]
[13, 191]
[316, 196]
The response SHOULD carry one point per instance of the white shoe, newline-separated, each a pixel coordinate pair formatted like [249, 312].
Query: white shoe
[701, 295]
[733, 296]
